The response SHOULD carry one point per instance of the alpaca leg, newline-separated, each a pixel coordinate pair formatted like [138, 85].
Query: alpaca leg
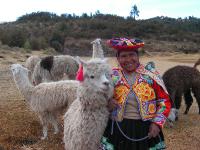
[44, 121]
[174, 111]
[198, 101]
[172, 94]
[178, 98]
[56, 128]
[177, 101]
[188, 100]
[45, 132]
[54, 122]
[197, 95]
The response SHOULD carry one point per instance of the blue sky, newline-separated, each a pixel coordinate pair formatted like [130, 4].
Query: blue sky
[11, 9]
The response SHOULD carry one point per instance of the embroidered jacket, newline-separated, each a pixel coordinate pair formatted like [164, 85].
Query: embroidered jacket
[149, 89]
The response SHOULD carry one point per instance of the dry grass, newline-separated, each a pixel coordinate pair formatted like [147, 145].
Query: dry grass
[20, 128]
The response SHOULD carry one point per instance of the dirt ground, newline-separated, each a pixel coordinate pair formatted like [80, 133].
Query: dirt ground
[20, 128]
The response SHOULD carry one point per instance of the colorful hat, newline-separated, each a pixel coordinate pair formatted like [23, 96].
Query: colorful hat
[123, 44]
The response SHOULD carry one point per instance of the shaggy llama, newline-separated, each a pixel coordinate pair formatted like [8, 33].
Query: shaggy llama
[181, 80]
[97, 49]
[55, 68]
[86, 118]
[45, 99]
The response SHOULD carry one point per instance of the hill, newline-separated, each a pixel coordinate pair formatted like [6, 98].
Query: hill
[72, 34]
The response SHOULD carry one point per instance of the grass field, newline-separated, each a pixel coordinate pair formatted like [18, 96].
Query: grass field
[20, 127]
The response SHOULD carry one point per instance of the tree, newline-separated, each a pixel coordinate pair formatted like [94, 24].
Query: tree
[134, 12]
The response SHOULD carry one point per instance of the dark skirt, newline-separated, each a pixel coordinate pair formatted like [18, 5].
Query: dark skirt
[134, 129]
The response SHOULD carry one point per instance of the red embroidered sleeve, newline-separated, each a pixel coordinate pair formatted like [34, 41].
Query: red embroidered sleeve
[163, 105]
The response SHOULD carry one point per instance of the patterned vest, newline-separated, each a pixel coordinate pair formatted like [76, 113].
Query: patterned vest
[143, 89]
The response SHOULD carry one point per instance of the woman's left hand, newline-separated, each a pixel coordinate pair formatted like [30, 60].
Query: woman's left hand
[153, 130]
[112, 104]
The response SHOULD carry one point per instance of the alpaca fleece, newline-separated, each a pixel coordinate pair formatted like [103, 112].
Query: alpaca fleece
[31, 62]
[55, 68]
[30, 65]
[86, 119]
[47, 63]
[46, 99]
[181, 80]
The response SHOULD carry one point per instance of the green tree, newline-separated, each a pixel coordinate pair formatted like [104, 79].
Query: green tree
[134, 12]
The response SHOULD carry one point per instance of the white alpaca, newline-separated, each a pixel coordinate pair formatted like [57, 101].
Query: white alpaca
[86, 118]
[46, 99]
[97, 49]
[55, 68]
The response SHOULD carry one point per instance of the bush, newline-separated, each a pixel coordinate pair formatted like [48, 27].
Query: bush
[38, 43]
[34, 44]
[57, 46]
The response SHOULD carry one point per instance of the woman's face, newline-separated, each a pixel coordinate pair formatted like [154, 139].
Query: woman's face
[128, 60]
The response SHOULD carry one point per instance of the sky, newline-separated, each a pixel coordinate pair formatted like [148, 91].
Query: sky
[10, 10]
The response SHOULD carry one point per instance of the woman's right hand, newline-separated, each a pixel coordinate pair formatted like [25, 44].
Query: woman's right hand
[112, 104]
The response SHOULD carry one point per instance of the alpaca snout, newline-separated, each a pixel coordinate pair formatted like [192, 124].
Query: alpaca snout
[105, 86]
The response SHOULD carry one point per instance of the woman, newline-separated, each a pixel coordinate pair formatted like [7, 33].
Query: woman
[140, 104]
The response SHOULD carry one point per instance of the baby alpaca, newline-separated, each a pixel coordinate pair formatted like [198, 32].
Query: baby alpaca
[86, 119]
[45, 99]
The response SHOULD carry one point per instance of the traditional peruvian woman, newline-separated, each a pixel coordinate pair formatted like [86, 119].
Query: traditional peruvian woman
[140, 104]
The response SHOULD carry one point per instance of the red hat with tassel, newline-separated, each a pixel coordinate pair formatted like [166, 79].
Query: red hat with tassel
[125, 44]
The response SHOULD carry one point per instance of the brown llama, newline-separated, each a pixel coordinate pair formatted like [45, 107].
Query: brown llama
[197, 63]
[182, 80]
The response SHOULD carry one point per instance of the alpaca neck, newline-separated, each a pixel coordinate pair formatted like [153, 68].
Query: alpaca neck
[91, 99]
[97, 51]
[24, 85]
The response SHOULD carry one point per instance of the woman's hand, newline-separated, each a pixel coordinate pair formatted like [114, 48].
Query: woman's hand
[112, 104]
[153, 130]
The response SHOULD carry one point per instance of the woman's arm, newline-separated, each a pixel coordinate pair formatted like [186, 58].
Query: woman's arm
[163, 105]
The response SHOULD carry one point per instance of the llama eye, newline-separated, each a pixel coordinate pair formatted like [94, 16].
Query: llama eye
[92, 76]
